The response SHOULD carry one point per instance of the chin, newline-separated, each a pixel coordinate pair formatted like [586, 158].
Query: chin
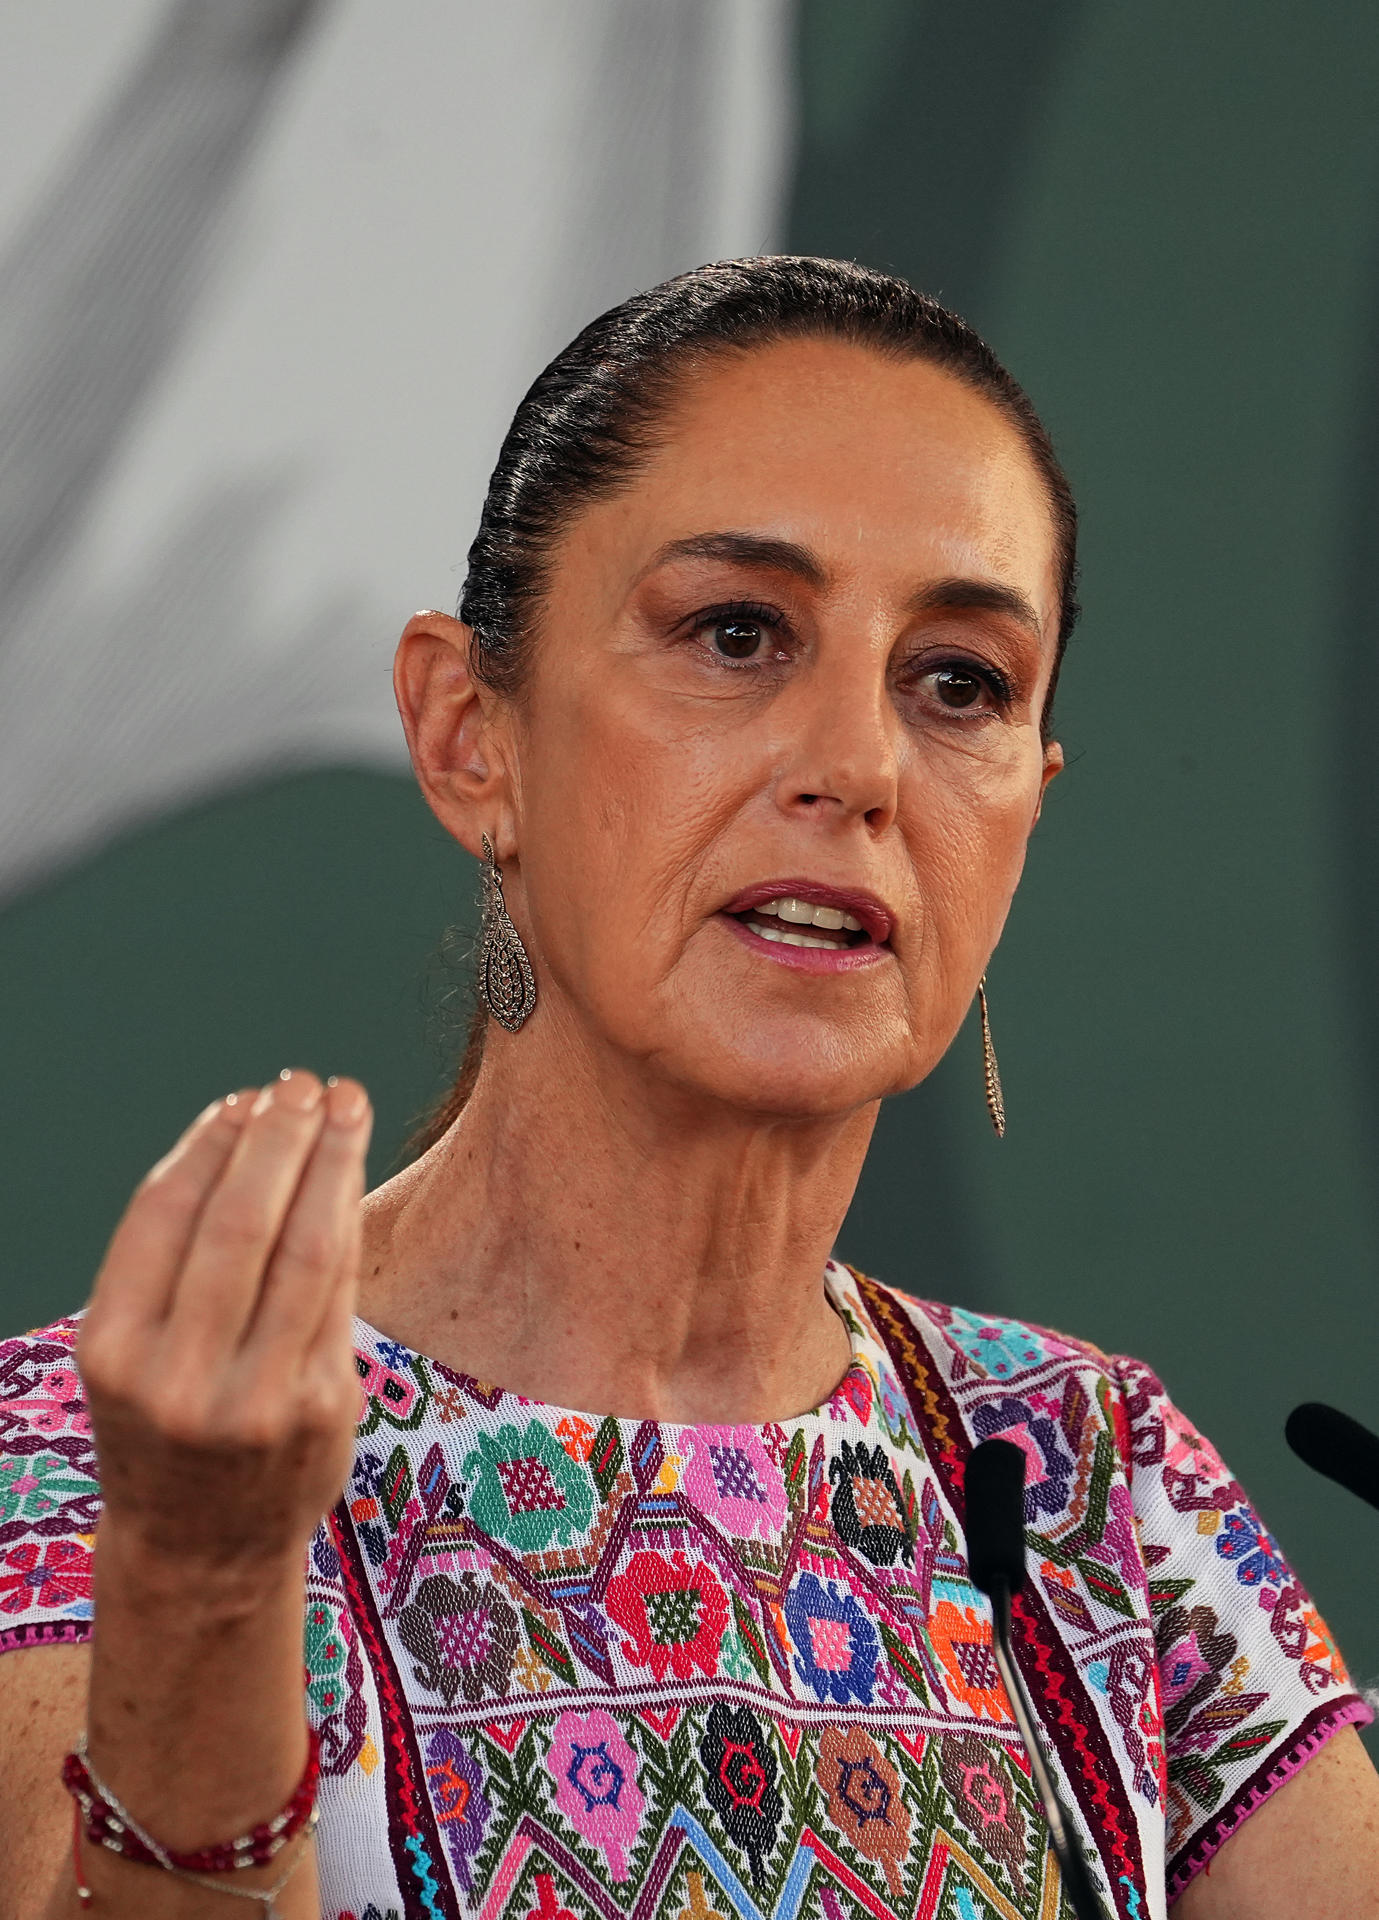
[790, 1075]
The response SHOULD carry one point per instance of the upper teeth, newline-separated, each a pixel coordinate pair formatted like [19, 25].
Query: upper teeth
[804, 914]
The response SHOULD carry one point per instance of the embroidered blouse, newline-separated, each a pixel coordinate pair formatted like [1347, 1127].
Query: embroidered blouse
[567, 1667]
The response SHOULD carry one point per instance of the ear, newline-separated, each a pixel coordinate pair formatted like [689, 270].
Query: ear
[1053, 764]
[459, 746]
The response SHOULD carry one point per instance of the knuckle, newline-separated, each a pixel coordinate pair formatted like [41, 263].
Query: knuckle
[234, 1230]
[178, 1411]
[109, 1364]
[262, 1429]
[310, 1249]
[167, 1189]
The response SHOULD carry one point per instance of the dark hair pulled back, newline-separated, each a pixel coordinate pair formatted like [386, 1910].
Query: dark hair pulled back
[589, 421]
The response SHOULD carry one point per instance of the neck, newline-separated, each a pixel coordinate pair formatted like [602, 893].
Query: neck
[576, 1241]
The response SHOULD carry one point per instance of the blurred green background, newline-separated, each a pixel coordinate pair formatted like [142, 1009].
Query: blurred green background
[1164, 218]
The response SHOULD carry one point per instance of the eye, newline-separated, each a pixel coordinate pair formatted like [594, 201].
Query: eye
[737, 639]
[964, 689]
[740, 634]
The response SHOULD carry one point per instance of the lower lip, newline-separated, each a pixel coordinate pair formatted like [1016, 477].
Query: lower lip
[807, 959]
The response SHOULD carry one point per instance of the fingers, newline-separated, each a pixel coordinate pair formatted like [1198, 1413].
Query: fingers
[139, 1272]
[218, 1288]
[316, 1256]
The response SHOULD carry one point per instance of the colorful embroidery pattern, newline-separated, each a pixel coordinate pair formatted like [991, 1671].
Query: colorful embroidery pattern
[566, 1666]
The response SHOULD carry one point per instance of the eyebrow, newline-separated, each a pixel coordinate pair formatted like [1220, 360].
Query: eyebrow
[788, 556]
[746, 550]
[984, 596]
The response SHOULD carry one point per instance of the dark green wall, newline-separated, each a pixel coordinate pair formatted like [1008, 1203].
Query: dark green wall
[301, 923]
[1163, 218]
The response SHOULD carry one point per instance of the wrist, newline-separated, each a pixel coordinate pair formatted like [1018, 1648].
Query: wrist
[146, 1574]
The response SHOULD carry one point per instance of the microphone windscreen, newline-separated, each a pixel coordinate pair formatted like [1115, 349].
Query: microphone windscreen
[995, 1495]
[1337, 1446]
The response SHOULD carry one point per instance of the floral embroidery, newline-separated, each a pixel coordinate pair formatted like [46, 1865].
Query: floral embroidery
[393, 1395]
[863, 1793]
[740, 1781]
[731, 1477]
[868, 1506]
[962, 1642]
[463, 1811]
[983, 1794]
[674, 1614]
[835, 1643]
[595, 1772]
[576, 1435]
[1001, 1348]
[526, 1489]
[57, 1404]
[854, 1394]
[327, 1644]
[33, 1488]
[894, 1413]
[563, 1664]
[1048, 1464]
[1193, 1653]
[51, 1574]
[1243, 1539]
[463, 1636]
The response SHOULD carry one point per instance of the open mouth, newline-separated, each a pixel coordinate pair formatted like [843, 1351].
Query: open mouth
[799, 923]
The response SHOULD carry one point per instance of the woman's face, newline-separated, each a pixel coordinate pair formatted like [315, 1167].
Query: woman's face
[800, 660]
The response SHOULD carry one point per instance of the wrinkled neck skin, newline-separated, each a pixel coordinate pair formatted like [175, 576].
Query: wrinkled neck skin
[593, 1237]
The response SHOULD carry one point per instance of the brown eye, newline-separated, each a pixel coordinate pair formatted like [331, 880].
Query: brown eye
[958, 688]
[738, 639]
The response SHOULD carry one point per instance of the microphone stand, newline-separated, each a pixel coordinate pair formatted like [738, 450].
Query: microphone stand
[994, 1495]
[1072, 1865]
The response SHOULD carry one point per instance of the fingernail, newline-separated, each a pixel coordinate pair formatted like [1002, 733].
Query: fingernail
[300, 1092]
[348, 1104]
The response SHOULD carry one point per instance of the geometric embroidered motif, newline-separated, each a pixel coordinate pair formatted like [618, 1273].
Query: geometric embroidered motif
[528, 1487]
[674, 1615]
[569, 1667]
[873, 1503]
[733, 1475]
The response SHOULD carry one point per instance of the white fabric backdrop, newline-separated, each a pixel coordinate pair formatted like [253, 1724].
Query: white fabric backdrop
[285, 450]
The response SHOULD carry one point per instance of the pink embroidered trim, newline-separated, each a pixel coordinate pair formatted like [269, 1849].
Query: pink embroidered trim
[1308, 1741]
[44, 1633]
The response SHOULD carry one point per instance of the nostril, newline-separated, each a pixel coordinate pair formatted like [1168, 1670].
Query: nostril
[808, 799]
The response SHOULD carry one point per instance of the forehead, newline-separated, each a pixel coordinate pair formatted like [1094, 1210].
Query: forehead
[891, 470]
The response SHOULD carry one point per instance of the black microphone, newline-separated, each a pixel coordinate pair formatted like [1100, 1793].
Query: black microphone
[995, 1528]
[1337, 1446]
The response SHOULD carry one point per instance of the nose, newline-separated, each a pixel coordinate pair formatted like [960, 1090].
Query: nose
[842, 761]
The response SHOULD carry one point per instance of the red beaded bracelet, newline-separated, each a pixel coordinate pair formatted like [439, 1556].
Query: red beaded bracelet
[108, 1824]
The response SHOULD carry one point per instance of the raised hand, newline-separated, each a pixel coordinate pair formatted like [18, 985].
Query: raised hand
[216, 1350]
[217, 1362]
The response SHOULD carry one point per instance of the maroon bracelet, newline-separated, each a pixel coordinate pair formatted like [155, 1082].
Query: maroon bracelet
[108, 1824]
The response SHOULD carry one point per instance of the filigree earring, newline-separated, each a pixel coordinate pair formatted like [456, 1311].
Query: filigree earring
[507, 985]
[991, 1073]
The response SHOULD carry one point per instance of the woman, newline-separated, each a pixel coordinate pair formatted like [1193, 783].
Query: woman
[747, 712]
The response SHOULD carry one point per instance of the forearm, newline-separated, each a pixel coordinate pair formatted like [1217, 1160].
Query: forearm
[196, 1722]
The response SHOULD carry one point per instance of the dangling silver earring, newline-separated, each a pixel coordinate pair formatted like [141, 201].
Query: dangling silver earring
[507, 985]
[995, 1099]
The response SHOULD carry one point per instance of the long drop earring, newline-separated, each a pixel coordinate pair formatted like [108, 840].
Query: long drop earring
[507, 985]
[991, 1073]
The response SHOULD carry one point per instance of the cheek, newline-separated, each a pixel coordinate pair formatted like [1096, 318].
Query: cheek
[617, 820]
[967, 840]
